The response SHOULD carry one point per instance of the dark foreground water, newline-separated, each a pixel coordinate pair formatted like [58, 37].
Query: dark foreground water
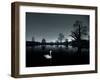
[36, 56]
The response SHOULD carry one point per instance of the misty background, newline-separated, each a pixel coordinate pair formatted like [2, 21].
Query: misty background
[48, 25]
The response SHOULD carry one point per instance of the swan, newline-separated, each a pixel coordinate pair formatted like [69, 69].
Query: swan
[48, 56]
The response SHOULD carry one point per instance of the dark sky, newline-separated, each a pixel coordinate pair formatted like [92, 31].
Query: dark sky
[48, 26]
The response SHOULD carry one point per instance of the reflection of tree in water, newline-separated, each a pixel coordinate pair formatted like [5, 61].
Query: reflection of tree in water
[57, 42]
[66, 43]
[51, 44]
[43, 46]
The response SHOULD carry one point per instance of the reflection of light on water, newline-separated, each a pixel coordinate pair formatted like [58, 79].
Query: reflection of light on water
[54, 46]
[73, 49]
[69, 46]
[50, 47]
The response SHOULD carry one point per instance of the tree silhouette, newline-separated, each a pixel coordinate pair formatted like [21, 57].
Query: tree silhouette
[57, 43]
[43, 44]
[78, 32]
[51, 43]
[43, 40]
[61, 37]
[33, 39]
[66, 43]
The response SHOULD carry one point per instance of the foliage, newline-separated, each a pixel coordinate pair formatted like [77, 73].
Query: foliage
[61, 37]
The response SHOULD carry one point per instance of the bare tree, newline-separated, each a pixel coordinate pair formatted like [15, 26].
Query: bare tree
[61, 37]
[33, 39]
[57, 43]
[78, 32]
[43, 40]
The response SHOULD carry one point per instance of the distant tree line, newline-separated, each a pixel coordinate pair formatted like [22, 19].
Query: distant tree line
[79, 30]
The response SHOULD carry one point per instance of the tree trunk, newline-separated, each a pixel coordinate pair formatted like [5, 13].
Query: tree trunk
[79, 42]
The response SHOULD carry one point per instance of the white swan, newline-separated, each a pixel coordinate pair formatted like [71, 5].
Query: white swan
[48, 56]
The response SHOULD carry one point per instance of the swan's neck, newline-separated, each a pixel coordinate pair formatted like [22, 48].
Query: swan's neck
[50, 52]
